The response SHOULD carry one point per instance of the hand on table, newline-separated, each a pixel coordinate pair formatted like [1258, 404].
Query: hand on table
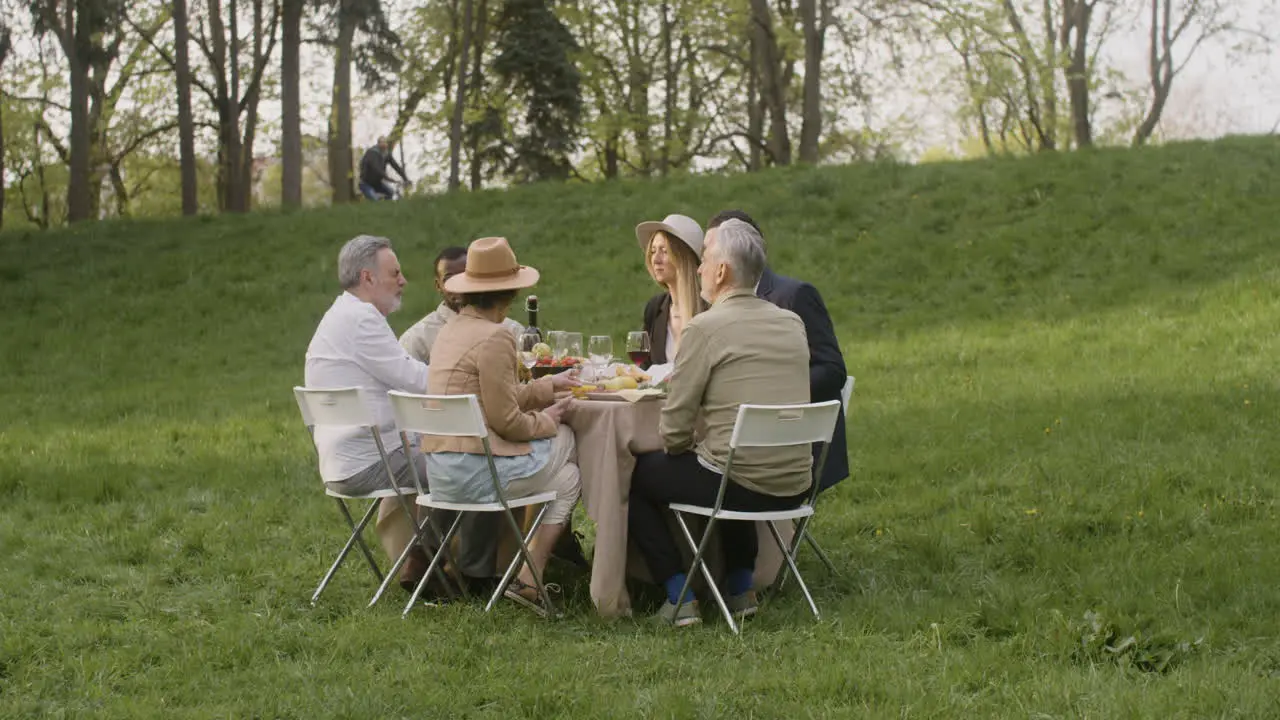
[565, 380]
[557, 409]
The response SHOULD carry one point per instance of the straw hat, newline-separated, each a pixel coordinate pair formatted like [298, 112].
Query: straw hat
[682, 227]
[491, 265]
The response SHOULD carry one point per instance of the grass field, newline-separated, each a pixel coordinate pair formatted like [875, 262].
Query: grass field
[1063, 500]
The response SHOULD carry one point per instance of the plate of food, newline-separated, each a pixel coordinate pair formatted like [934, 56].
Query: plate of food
[628, 384]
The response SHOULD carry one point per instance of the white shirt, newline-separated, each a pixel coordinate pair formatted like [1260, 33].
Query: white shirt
[355, 347]
[419, 338]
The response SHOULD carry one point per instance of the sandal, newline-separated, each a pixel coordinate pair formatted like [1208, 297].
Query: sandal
[525, 594]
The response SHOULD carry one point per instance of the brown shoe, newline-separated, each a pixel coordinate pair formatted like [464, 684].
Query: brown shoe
[415, 566]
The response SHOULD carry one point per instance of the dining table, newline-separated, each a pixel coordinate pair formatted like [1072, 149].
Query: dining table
[610, 432]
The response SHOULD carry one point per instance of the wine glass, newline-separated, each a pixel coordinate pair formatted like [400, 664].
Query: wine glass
[638, 348]
[526, 344]
[573, 344]
[556, 337]
[600, 352]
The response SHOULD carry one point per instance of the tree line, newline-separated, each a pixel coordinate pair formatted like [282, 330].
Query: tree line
[97, 97]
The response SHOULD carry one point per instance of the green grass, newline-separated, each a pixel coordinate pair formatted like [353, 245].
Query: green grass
[1066, 405]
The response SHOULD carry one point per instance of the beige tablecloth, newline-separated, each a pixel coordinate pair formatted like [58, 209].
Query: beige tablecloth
[609, 435]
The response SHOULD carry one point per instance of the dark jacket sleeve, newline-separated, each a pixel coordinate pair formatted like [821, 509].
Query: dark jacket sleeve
[396, 166]
[655, 323]
[826, 364]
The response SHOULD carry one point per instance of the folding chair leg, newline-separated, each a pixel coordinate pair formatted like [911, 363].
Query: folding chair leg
[791, 563]
[699, 563]
[435, 561]
[522, 557]
[404, 555]
[355, 538]
[817, 549]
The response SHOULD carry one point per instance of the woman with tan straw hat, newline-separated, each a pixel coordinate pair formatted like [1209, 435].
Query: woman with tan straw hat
[672, 252]
[533, 450]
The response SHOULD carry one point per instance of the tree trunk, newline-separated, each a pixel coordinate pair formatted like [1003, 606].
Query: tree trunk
[1160, 68]
[291, 106]
[670, 89]
[121, 191]
[250, 104]
[773, 89]
[481, 36]
[79, 51]
[5, 46]
[186, 123]
[459, 101]
[811, 128]
[340, 176]
[1075, 35]
[755, 108]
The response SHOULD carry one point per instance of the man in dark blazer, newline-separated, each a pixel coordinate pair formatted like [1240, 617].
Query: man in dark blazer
[827, 372]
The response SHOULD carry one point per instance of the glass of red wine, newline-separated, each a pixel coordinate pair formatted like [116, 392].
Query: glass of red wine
[638, 348]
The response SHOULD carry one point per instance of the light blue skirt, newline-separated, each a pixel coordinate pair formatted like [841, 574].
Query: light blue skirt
[464, 477]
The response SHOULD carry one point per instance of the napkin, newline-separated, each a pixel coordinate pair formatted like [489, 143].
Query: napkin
[636, 395]
[657, 373]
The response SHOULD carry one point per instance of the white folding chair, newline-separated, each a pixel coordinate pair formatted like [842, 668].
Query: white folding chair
[343, 407]
[763, 426]
[460, 416]
[845, 393]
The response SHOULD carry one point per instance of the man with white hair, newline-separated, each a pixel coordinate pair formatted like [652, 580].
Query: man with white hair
[742, 350]
[355, 347]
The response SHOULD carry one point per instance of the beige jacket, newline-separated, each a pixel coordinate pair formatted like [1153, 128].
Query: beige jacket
[474, 356]
[742, 350]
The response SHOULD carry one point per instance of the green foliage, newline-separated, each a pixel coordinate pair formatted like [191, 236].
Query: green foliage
[1066, 403]
[534, 61]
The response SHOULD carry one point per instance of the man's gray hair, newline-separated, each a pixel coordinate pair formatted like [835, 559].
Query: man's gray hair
[742, 249]
[360, 253]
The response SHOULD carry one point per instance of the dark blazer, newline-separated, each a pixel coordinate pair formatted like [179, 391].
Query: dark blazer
[657, 313]
[827, 372]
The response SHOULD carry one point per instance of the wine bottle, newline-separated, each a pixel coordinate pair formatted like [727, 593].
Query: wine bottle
[531, 308]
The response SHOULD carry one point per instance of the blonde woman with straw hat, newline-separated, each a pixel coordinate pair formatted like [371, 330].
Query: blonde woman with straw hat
[672, 252]
[533, 449]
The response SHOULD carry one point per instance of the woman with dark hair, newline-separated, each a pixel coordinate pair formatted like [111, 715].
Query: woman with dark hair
[672, 252]
[533, 450]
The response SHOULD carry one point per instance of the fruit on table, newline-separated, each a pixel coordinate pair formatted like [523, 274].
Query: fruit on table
[566, 361]
[542, 350]
[624, 382]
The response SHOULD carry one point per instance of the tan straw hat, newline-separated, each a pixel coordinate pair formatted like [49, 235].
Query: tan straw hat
[682, 227]
[491, 265]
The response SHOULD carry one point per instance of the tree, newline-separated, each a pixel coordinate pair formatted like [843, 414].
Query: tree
[6, 44]
[291, 104]
[459, 99]
[816, 17]
[1192, 22]
[80, 27]
[186, 124]
[534, 64]
[374, 56]
[773, 80]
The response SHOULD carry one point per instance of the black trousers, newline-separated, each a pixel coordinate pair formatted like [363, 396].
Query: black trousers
[660, 479]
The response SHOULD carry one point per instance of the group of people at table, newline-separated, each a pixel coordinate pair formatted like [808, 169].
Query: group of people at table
[735, 332]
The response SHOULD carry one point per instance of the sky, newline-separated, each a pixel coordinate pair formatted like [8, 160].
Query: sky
[1217, 94]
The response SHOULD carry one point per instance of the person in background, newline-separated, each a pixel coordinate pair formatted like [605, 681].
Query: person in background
[373, 171]
[672, 251]
[419, 338]
[827, 372]
[533, 451]
[742, 350]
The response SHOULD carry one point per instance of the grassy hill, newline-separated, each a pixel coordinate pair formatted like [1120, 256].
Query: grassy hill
[1062, 438]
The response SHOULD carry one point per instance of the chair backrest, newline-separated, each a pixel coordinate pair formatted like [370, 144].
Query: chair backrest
[452, 415]
[846, 392]
[780, 425]
[332, 406]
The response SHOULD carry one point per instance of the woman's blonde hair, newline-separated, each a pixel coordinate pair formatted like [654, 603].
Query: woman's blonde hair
[685, 262]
